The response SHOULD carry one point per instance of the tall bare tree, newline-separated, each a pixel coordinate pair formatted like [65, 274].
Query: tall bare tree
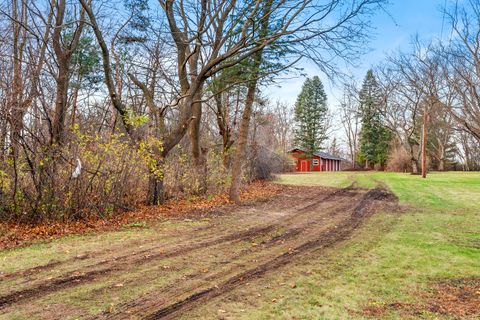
[65, 40]
[462, 64]
[351, 121]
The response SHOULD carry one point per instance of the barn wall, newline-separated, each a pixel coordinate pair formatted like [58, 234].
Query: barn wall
[323, 164]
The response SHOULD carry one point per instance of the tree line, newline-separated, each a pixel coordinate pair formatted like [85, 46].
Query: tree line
[107, 104]
[424, 98]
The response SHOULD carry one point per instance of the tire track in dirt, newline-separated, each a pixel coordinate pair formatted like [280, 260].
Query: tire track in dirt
[173, 287]
[84, 277]
[80, 277]
[94, 254]
[261, 246]
[326, 239]
[83, 256]
[311, 224]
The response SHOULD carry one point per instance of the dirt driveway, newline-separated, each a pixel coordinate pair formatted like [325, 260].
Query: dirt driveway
[169, 275]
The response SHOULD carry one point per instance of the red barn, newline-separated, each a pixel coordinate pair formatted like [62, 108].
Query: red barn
[321, 161]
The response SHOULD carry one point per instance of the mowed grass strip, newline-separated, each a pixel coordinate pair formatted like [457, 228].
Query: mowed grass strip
[393, 258]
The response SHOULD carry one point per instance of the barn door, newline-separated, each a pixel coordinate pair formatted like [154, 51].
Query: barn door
[304, 165]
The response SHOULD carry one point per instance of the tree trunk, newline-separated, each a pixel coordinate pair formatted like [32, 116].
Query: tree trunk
[247, 111]
[467, 155]
[224, 129]
[17, 107]
[156, 193]
[253, 147]
[414, 163]
[441, 155]
[441, 164]
[424, 145]
[242, 143]
[226, 159]
[75, 102]
[16, 127]
[198, 153]
[58, 127]
[3, 140]
[16, 100]
[63, 53]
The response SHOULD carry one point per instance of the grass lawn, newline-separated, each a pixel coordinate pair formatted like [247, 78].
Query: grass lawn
[394, 259]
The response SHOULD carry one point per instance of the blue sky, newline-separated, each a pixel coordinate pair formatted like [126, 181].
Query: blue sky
[392, 32]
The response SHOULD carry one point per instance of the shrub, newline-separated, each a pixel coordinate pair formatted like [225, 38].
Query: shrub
[265, 163]
[398, 160]
[183, 180]
[39, 185]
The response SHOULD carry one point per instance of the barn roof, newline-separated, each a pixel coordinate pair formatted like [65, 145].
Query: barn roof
[325, 155]
[320, 154]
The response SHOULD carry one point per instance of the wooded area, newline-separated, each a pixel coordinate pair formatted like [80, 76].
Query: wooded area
[106, 105]
[429, 92]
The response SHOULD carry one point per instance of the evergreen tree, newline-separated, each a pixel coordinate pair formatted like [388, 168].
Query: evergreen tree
[374, 136]
[311, 116]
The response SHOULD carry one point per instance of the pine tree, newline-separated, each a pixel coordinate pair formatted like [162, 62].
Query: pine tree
[374, 136]
[311, 116]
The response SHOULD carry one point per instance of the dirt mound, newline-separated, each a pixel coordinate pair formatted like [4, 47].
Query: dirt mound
[382, 195]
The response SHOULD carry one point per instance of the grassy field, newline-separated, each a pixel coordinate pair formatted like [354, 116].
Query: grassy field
[391, 265]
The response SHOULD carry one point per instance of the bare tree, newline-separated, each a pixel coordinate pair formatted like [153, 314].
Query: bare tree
[462, 65]
[402, 104]
[413, 88]
[283, 125]
[351, 120]
[65, 39]
[227, 104]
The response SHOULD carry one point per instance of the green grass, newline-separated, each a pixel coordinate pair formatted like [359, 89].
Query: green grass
[40, 253]
[391, 258]
[339, 179]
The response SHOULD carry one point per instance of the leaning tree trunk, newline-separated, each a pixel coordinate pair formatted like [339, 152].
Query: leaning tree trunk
[257, 58]
[242, 143]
